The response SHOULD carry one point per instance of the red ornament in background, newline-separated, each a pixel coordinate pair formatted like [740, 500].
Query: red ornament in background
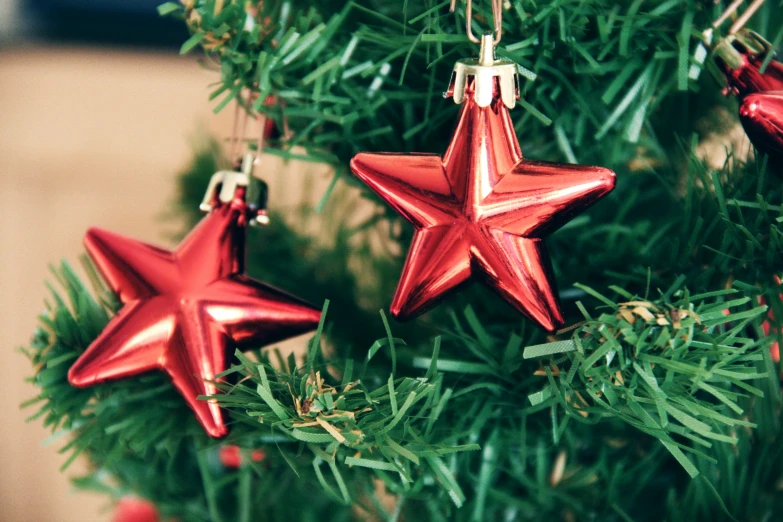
[761, 115]
[131, 509]
[481, 211]
[184, 310]
[231, 456]
[768, 328]
[270, 129]
[740, 57]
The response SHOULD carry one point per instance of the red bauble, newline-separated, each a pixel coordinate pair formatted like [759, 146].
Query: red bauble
[481, 211]
[131, 509]
[184, 310]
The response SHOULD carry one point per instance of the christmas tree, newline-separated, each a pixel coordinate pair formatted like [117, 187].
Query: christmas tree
[646, 388]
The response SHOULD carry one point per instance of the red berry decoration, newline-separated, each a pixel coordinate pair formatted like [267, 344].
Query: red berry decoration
[131, 509]
[231, 456]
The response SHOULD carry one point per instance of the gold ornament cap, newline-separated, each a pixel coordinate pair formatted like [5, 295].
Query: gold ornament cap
[484, 71]
[224, 184]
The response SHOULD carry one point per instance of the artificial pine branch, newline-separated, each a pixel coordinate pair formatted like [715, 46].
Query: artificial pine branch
[367, 75]
[676, 368]
[122, 434]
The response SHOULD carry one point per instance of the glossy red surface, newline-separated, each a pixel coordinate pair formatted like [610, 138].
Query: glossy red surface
[761, 115]
[185, 311]
[481, 212]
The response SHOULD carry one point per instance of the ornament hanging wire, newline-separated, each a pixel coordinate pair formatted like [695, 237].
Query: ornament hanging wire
[702, 50]
[497, 14]
[745, 16]
[738, 23]
[730, 10]
[235, 153]
[224, 183]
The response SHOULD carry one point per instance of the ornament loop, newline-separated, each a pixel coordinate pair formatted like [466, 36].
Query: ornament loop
[497, 14]
[740, 22]
[236, 138]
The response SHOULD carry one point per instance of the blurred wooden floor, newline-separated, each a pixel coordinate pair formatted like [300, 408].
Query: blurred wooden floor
[87, 137]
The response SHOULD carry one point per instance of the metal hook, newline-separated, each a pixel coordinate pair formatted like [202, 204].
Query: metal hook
[497, 14]
[227, 181]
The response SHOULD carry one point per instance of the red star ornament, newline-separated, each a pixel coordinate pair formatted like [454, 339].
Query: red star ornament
[481, 211]
[183, 310]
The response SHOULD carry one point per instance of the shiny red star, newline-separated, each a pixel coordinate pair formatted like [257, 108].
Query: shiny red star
[481, 211]
[185, 309]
